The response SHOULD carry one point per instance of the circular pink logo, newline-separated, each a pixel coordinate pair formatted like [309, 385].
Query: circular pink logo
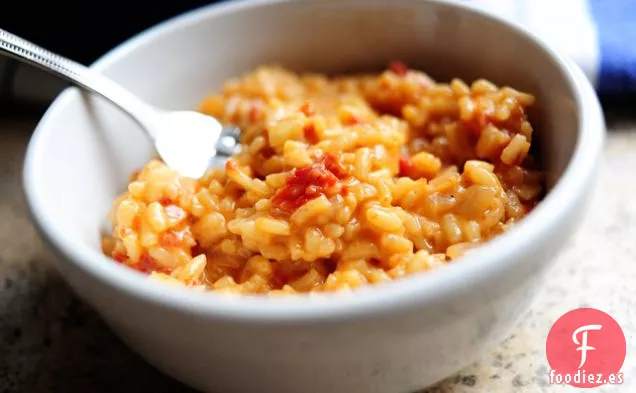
[586, 348]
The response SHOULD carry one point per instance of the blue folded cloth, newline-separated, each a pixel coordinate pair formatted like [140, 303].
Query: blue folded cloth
[599, 35]
[615, 22]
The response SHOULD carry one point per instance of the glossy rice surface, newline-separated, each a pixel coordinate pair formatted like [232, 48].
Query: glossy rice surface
[341, 182]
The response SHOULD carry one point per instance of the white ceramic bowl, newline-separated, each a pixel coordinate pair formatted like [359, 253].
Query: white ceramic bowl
[396, 337]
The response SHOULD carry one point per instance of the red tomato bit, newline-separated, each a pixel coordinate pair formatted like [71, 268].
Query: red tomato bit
[333, 165]
[146, 264]
[398, 68]
[119, 256]
[405, 166]
[307, 183]
[310, 133]
[165, 201]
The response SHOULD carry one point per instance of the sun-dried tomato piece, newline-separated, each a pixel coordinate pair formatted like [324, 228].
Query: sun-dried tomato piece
[119, 256]
[307, 183]
[165, 201]
[398, 68]
[146, 264]
[311, 136]
[405, 166]
[334, 165]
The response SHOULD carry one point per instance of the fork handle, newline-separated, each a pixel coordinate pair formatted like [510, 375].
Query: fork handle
[81, 76]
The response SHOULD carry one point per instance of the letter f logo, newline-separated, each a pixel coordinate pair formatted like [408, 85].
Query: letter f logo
[583, 344]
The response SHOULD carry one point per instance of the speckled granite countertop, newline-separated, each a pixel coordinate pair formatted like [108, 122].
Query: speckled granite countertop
[51, 342]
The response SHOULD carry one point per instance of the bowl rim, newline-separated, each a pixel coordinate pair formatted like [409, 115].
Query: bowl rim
[431, 287]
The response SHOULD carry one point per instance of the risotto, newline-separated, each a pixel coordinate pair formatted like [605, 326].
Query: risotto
[340, 182]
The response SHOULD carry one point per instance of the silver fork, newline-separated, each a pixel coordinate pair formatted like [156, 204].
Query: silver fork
[187, 141]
